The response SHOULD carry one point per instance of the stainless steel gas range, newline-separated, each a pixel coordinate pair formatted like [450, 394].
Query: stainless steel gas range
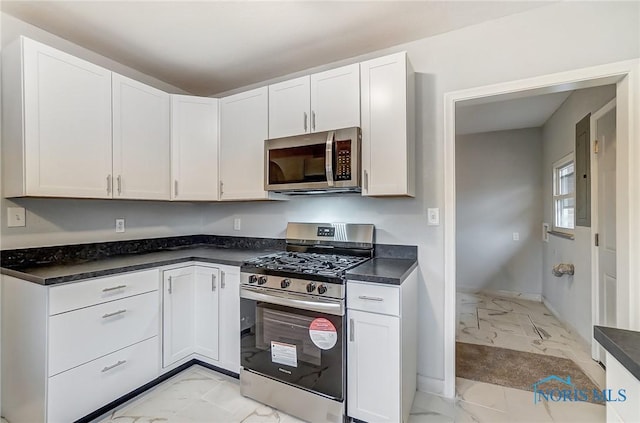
[293, 346]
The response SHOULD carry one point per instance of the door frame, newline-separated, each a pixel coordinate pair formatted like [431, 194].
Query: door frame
[595, 257]
[626, 76]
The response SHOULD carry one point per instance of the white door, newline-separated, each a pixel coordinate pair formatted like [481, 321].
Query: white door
[207, 288]
[289, 107]
[606, 163]
[373, 367]
[244, 123]
[194, 148]
[67, 127]
[230, 318]
[178, 314]
[141, 140]
[335, 98]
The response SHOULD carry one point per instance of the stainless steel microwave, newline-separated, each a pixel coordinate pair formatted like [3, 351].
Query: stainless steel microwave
[314, 163]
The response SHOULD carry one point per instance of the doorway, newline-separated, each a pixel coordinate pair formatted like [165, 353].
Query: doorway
[625, 75]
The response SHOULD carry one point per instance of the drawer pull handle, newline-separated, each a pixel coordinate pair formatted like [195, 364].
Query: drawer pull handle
[113, 288]
[364, 297]
[222, 280]
[213, 282]
[113, 366]
[115, 313]
[352, 328]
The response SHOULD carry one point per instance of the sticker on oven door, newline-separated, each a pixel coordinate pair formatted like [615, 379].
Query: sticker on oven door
[282, 353]
[323, 334]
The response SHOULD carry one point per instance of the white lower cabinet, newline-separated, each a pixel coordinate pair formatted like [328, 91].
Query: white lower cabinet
[619, 378]
[382, 350]
[86, 388]
[69, 350]
[201, 315]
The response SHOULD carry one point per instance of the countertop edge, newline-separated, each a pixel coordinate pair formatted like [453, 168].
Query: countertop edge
[384, 280]
[112, 271]
[612, 347]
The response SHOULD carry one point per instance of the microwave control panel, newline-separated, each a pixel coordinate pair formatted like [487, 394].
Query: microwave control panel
[343, 159]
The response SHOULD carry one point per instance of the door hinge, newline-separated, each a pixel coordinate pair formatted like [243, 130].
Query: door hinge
[596, 147]
[597, 240]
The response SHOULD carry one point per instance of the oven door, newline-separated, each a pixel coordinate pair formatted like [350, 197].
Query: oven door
[294, 340]
[321, 161]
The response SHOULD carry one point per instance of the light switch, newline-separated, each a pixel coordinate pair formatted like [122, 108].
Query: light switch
[516, 236]
[15, 217]
[236, 224]
[433, 216]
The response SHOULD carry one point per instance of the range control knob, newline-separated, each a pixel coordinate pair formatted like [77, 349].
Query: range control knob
[311, 287]
[285, 283]
[322, 289]
[262, 280]
[253, 279]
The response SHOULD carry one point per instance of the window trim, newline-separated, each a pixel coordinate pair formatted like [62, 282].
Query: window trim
[564, 161]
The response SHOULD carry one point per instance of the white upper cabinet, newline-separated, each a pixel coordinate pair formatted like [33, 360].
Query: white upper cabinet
[194, 148]
[57, 123]
[141, 140]
[388, 134]
[289, 107]
[335, 98]
[244, 126]
[320, 102]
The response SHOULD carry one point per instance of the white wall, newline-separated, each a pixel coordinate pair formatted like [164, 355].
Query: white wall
[499, 192]
[569, 296]
[549, 39]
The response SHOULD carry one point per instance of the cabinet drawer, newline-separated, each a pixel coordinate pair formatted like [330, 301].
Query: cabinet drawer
[96, 291]
[80, 391]
[374, 298]
[83, 335]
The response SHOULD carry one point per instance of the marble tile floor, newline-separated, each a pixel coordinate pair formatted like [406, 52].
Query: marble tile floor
[522, 325]
[203, 396]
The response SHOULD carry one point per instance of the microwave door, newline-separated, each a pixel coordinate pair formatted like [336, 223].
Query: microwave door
[328, 158]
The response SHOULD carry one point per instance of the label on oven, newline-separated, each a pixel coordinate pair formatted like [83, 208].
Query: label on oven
[282, 353]
[323, 334]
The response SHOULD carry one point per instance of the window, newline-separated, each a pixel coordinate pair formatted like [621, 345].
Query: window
[564, 197]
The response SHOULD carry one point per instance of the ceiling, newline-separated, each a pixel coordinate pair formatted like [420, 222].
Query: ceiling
[515, 113]
[208, 47]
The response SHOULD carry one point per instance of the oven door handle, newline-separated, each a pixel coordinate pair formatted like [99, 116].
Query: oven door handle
[282, 298]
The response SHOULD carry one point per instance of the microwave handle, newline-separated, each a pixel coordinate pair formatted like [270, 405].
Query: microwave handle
[328, 159]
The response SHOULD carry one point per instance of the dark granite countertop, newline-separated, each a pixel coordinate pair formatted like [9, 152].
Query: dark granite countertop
[623, 344]
[56, 274]
[390, 271]
[63, 264]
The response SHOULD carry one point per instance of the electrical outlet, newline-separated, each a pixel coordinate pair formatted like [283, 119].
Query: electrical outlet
[433, 216]
[237, 224]
[120, 225]
[15, 217]
[516, 236]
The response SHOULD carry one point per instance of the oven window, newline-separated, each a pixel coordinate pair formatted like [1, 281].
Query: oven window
[279, 344]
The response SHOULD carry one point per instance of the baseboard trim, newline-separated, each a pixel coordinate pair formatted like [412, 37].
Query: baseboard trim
[568, 325]
[131, 395]
[430, 385]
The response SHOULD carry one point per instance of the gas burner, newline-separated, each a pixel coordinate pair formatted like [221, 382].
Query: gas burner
[307, 263]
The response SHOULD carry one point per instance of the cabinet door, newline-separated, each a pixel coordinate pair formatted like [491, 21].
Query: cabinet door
[387, 138]
[335, 99]
[289, 103]
[141, 140]
[194, 148]
[178, 314]
[243, 129]
[373, 367]
[230, 318]
[67, 124]
[207, 288]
